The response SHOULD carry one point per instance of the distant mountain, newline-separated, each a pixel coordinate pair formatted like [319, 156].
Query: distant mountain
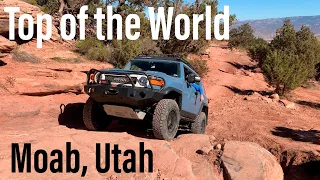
[266, 28]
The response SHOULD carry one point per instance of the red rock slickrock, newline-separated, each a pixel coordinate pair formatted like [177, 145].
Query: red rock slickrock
[40, 121]
[246, 160]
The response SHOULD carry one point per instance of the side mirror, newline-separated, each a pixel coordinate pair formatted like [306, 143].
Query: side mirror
[197, 79]
[191, 78]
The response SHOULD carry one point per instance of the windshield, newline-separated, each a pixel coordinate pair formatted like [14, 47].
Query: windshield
[169, 68]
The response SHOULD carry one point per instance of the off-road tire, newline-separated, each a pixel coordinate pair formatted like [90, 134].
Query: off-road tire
[94, 117]
[166, 119]
[199, 126]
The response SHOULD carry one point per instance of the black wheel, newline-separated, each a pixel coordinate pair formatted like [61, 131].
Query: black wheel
[166, 119]
[199, 126]
[94, 117]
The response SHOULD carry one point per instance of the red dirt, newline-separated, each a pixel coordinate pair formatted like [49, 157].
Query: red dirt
[290, 134]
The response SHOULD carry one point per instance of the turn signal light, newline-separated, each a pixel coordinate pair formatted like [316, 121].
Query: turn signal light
[157, 82]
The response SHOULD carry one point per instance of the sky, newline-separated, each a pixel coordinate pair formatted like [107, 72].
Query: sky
[263, 9]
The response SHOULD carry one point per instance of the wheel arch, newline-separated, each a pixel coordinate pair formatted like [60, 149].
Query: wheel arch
[205, 109]
[175, 95]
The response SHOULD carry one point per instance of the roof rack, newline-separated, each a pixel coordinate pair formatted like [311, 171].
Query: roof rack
[165, 57]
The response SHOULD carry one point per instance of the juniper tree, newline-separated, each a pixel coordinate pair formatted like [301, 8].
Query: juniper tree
[292, 58]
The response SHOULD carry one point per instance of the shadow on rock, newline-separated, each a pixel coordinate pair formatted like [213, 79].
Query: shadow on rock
[312, 136]
[309, 170]
[248, 92]
[2, 63]
[133, 127]
[241, 66]
[71, 116]
[309, 104]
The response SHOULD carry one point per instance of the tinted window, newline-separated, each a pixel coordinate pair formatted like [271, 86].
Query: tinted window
[169, 68]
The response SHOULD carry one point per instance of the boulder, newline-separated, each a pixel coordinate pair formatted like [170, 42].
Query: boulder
[247, 160]
[77, 89]
[275, 97]
[205, 150]
[6, 46]
[257, 70]
[183, 168]
[218, 146]
[253, 97]
[288, 104]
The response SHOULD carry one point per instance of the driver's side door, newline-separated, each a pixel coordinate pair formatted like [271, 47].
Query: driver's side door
[188, 98]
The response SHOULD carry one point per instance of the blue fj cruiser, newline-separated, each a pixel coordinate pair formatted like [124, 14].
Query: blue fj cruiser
[154, 88]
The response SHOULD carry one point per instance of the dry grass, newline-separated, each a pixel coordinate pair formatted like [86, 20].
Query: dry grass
[2, 86]
[23, 114]
[11, 81]
[67, 60]
[22, 56]
[313, 85]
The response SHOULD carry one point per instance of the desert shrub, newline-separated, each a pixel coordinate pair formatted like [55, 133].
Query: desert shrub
[200, 66]
[317, 72]
[292, 58]
[284, 70]
[49, 6]
[183, 47]
[22, 56]
[258, 50]
[149, 46]
[241, 37]
[308, 48]
[67, 60]
[285, 39]
[124, 51]
[32, 2]
[99, 54]
[84, 46]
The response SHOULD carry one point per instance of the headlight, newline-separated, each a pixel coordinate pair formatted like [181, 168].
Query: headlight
[97, 77]
[143, 81]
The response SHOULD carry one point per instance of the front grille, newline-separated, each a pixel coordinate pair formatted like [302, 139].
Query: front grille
[117, 79]
[134, 79]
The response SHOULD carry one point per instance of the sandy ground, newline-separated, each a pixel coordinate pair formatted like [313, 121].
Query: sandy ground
[292, 135]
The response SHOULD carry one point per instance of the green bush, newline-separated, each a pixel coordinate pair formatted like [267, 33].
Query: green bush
[291, 58]
[49, 6]
[124, 51]
[200, 66]
[285, 71]
[258, 50]
[318, 72]
[241, 37]
[99, 54]
[32, 2]
[84, 46]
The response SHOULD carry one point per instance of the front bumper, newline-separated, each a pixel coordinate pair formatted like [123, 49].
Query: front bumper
[124, 96]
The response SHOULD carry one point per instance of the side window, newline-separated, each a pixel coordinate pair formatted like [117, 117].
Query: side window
[187, 70]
